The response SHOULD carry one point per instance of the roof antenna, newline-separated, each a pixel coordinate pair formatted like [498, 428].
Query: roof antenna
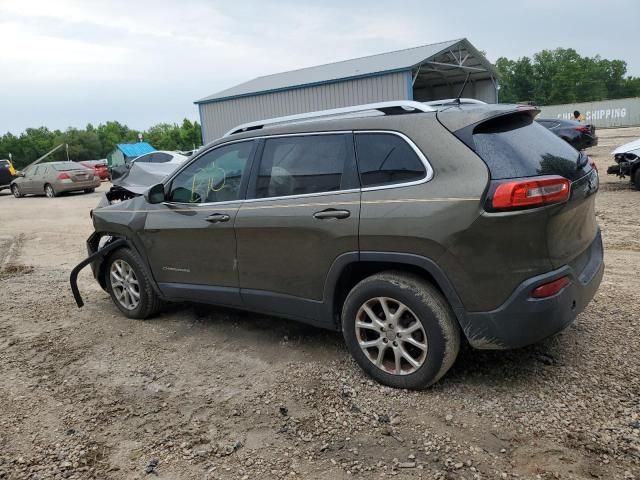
[457, 100]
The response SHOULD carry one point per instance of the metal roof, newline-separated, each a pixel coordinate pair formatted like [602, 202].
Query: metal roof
[399, 60]
[135, 149]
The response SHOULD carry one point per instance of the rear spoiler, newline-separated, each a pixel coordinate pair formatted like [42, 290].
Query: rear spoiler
[458, 117]
[462, 121]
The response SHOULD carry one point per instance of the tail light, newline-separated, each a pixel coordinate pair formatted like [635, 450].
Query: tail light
[64, 176]
[528, 193]
[551, 288]
[583, 128]
[593, 164]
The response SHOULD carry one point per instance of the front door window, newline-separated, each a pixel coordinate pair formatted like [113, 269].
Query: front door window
[214, 177]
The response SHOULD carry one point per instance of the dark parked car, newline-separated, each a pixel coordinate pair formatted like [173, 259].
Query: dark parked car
[408, 228]
[7, 174]
[578, 135]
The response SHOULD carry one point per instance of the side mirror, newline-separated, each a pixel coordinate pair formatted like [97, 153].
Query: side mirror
[155, 194]
[21, 174]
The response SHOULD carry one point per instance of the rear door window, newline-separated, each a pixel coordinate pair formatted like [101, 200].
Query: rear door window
[387, 159]
[515, 146]
[299, 165]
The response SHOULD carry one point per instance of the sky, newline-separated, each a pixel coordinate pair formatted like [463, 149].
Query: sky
[66, 63]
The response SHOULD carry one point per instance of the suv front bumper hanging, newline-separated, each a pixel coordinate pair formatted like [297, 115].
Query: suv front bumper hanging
[95, 254]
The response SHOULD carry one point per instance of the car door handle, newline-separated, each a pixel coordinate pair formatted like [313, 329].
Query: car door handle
[331, 213]
[218, 218]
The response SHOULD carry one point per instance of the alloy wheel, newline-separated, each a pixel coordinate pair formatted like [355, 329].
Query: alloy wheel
[16, 191]
[391, 336]
[124, 284]
[49, 192]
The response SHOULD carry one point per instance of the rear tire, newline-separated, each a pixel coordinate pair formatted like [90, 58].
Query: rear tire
[89, 190]
[417, 347]
[636, 178]
[49, 191]
[130, 286]
[16, 191]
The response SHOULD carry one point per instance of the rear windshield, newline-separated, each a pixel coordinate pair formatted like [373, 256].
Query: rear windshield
[515, 146]
[65, 167]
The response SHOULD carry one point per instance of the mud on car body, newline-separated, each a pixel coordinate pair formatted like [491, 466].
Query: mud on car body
[409, 228]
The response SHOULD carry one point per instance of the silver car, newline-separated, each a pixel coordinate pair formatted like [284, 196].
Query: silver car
[53, 178]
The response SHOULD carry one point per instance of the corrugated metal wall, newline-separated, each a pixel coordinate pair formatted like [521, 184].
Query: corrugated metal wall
[624, 112]
[219, 117]
[481, 89]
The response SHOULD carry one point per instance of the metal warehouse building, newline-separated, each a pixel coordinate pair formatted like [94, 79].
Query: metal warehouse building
[429, 72]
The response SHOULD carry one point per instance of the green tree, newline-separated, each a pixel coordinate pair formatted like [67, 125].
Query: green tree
[563, 76]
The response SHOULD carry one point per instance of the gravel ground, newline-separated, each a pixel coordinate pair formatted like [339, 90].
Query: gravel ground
[204, 393]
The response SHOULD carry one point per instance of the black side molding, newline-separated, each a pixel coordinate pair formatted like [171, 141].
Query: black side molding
[73, 278]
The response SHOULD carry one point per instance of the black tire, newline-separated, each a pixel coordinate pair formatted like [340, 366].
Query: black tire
[636, 178]
[49, 191]
[427, 305]
[89, 190]
[149, 302]
[16, 191]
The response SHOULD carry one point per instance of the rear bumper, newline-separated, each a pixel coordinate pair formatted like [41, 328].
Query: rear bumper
[586, 141]
[75, 186]
[523, 320]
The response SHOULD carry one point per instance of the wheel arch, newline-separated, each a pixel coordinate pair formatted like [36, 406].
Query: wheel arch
[100, 267]
[351, 268]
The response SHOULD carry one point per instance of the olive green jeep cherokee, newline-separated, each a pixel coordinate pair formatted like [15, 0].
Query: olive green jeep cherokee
[407, 226]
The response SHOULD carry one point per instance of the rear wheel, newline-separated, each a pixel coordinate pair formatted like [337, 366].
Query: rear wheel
[636, 178]
[16, 191]
[400, 330]
[130, 286]
[49, 191]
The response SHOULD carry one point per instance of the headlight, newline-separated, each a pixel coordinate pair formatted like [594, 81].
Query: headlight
[104, 240]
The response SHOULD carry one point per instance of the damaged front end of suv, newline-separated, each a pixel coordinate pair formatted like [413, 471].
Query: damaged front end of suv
[118, 216]
[627, 158]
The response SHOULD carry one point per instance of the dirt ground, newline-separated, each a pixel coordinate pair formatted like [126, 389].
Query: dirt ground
[203, 393]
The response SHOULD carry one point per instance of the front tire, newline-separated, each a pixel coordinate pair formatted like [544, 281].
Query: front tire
[130, 286]
[16, 191]
[400, 330]
[49, 191]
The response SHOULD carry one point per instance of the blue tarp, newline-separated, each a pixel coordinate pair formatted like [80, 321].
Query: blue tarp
[132, 150]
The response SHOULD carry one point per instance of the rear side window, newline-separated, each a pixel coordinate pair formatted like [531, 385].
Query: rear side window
[515, 146]
[299, 165]
[386, 159]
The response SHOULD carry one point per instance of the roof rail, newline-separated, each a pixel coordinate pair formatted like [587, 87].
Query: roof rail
[460, 101]
[387, 108]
